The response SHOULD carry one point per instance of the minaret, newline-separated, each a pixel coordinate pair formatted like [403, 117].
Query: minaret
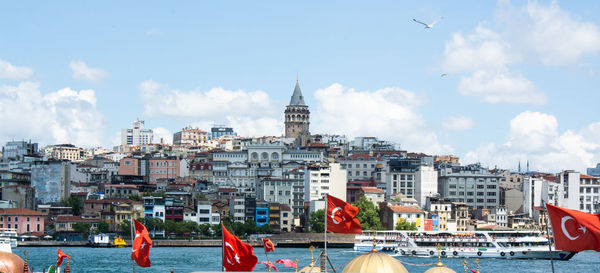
[297, 118]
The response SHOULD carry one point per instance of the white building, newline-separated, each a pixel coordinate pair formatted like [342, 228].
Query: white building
[323, 179]
[426, 183]
[570, 182]
[205, 215]
[275, 191]
[501, 219]
[397, 213]
[237, 209]
[137, 135]
[589, 193]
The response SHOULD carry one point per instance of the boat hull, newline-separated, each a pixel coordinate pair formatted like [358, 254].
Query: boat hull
[495, 253]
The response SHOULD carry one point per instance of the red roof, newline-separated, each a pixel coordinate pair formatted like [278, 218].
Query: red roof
[405, 209]
[371, 190]
[316, 144]
[109, 200]
[121, 186]
[226, 189]
[20, 212]
[587, 176]
[64, 219]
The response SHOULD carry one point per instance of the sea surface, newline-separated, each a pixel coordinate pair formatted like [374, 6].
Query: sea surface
[189, 259]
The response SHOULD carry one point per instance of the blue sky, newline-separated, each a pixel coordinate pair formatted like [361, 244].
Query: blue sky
[521, 78]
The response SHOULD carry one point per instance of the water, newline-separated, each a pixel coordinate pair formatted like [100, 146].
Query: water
[187, 259]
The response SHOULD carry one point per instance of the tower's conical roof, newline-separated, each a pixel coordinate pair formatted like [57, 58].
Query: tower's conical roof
[297, 98]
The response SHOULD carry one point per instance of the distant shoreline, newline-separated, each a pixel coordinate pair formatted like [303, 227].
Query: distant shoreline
[301, 240]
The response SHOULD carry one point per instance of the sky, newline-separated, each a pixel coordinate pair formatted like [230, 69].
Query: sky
[492, 82]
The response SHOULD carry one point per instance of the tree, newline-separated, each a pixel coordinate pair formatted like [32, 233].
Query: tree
[368, 214]
[103, 227]
[125, 227]
[134, 197]
[317, 219]
[82, 227]
[74, 203]
[265, 229]
[404, 225]
[204, 229]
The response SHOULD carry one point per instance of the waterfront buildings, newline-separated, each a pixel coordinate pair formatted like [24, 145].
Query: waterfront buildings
[477, 187]
[393, 213]
[23, 220]
[137, 135]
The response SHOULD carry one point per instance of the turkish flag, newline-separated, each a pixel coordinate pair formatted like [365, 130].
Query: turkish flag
[141, 245]
[237, 255]
[341, 216]
[574, 230]
[269, 246]
[61, 256]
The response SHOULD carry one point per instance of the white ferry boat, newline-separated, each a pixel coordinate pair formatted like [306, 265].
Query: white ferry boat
[9, 235]
[470, 244]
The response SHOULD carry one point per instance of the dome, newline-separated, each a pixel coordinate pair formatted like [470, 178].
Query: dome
[440, 268]
[306, 269]
[11, 262]
[374, 262]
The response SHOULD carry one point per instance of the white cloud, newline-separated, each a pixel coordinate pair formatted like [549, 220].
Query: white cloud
[162, 135]
[386, 113]
[11, 72]
[551, 33]
[251, 113]
[534, 136]
[500, 87]
[458, 123]
[534, 33]
[63, 116]
[82, 71]
[483, 49]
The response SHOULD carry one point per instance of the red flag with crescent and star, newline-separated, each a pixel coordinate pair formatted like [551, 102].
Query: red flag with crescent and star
[237, 255]
[341, 216]
[61, 256]
[268, 244]
[141, 245]
[574, 230]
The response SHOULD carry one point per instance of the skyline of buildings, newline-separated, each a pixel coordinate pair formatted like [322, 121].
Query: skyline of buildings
[280, 181]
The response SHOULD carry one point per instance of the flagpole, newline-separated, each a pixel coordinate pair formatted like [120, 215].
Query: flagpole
[222, 245]
[268, 262]
[325, 218]
[132, 229]
[548, 234]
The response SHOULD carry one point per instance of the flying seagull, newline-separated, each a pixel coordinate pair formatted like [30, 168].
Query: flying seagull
[427, 25]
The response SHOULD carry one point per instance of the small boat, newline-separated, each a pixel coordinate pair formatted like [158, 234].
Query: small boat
[119, 242]
[10, 235]
[99, 240]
